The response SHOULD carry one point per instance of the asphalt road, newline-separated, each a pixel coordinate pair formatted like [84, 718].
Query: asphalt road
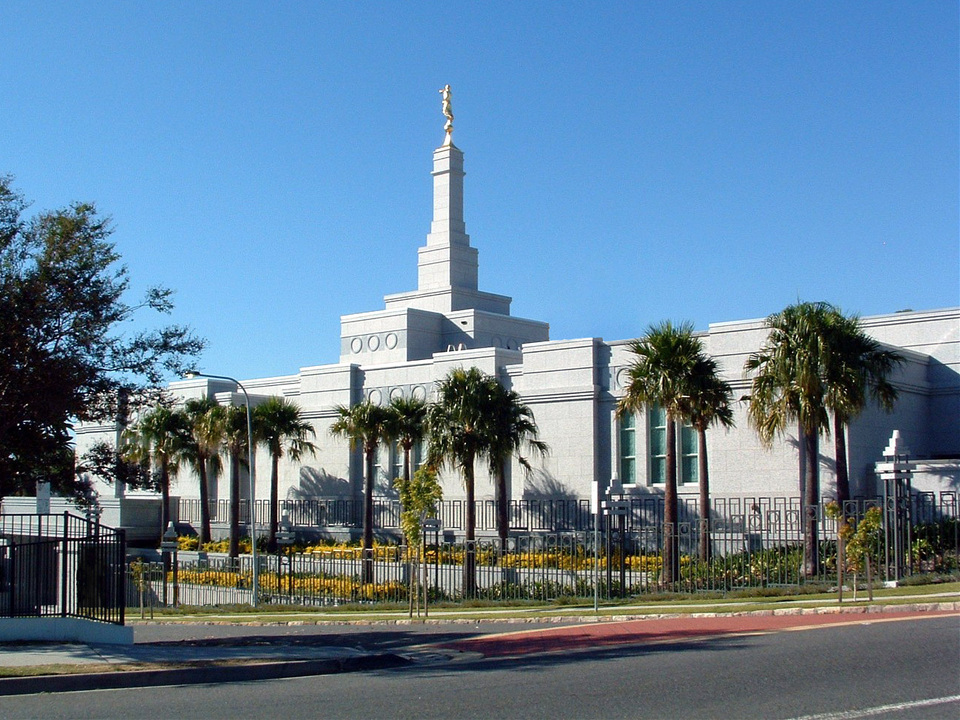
[908, 666]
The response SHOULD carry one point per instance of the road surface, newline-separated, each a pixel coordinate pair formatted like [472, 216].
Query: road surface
[884, 666]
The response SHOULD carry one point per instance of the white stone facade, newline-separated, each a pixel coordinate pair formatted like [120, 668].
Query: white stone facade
[572, 386]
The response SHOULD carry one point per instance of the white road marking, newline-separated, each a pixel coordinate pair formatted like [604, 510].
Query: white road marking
[882, 709]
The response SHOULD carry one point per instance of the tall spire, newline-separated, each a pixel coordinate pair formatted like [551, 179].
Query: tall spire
[447, 261]
[447, 266]
[447, 310]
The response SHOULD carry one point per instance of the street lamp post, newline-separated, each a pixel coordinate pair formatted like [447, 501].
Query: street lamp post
[170, 545]
[285, 538]
[253, 475]
[432, 524]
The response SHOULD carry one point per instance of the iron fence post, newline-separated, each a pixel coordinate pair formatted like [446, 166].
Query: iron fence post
[64, 556]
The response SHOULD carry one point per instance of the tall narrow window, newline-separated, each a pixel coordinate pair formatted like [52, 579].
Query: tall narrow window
[419, 455]
[628, 449]
[658, 445]
[687, 470]
[397, 450]
[381, 464]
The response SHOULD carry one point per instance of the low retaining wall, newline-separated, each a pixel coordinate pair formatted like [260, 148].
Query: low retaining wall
[49, 629]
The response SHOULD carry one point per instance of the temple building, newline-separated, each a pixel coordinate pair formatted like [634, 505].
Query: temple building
[572, 386]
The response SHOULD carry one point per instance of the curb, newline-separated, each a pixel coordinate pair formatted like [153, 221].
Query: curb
[861, 607]
[195, 676]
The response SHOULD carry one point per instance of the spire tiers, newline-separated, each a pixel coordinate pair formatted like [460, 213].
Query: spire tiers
[447, 261]
[447, 310]
[448, 225]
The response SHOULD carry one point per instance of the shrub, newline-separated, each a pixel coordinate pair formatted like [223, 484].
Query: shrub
[188, 542]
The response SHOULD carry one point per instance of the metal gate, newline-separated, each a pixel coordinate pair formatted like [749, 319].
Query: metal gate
[61, 566]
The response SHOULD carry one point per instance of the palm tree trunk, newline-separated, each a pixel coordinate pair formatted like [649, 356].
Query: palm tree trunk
[702, 471]
[367, 576]
[274, 501]
[204, 503]
[671, 555]
[503, 506]
[811, 501]
[840, 448]
[165, 514]
[164, 497]
[234, 549]
[470, 554]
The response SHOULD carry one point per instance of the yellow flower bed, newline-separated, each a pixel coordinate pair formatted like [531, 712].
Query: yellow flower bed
[561, 559]
[645, 563]
[342, 586]
[209, 577]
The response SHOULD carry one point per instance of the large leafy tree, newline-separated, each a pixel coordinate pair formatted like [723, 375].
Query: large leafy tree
[461, 422]
[279, 424]
[514, 431]
[661, 374]
[859, 370]
[105, 461]
[708, 403]
[206, 432]
[159, 438]
[65, 352]
[791, 383]
[366, 425]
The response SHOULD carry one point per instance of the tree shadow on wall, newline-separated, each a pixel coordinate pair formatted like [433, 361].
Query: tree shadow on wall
[547, 504]
[319, 483]
[541, 485]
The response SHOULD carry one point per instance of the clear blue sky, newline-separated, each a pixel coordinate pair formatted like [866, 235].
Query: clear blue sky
[626, 162]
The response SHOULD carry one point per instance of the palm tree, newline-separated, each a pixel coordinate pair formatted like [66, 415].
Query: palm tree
[707, 404]
[205, 424]
[514, 428]
[158, 439]
[661, 375]
[236, 443]
[461, 430]
[408, 426]
[367, 425]
[859, 369]
[278, 424]
[791, 383]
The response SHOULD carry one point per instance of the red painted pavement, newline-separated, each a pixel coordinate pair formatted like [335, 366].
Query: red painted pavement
[661, 630]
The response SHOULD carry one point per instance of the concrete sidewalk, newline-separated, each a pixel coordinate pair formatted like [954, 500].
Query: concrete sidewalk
[35, 654]
[156, 664]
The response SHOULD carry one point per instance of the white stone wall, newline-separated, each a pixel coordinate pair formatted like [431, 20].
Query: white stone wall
[571, 385]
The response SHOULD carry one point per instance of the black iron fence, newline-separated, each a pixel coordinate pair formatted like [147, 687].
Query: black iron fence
[61, 565]
[753, 543]
[558, 514]
[536, 515]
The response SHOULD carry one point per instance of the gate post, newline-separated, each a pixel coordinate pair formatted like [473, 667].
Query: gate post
[895, 472]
